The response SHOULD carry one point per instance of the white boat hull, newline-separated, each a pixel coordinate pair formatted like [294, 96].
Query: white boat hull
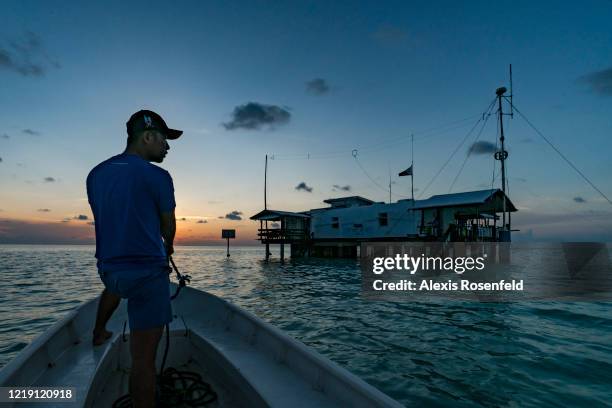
[247, 361]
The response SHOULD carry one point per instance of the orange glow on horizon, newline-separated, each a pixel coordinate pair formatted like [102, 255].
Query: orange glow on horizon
[70, 230]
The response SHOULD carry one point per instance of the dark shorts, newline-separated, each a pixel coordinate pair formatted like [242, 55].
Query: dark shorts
[148, 293]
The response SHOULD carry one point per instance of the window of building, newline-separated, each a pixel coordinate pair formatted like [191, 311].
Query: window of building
[383, 219]
[335, 223]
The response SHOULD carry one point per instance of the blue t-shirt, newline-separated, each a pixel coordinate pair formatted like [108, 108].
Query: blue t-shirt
[127, 194]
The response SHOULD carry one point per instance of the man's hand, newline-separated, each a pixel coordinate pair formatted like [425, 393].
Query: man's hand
[169, 249]
[168, 229]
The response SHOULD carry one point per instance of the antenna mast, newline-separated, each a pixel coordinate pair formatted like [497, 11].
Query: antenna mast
[502, 155]
[389, 184]
[266, 185]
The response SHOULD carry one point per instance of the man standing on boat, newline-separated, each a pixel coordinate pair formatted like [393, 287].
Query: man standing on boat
[132, 201]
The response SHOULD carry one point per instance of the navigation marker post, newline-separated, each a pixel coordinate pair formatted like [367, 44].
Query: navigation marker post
[227, 234]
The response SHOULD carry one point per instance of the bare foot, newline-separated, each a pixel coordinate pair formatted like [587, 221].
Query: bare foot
[100, 337]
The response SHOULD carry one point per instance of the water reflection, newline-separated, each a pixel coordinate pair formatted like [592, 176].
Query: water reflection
[434, 353]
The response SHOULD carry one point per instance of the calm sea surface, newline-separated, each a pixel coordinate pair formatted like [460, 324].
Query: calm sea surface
[436, 353]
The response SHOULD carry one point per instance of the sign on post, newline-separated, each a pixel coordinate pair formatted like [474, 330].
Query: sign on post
[228, 234]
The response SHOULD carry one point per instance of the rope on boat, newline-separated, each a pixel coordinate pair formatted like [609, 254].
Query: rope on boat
[176, 388]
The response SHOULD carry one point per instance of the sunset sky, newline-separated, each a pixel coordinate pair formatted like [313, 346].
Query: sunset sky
[306, 83]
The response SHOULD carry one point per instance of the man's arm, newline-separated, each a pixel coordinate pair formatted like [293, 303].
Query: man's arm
[168, 230]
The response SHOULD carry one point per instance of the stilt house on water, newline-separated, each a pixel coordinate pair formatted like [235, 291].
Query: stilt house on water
[337, 230]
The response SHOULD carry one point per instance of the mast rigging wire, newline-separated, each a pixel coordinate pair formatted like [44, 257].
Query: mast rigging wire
[386, 190]
[424, 134]
[457, 148]
[560, 154]
[484, 124]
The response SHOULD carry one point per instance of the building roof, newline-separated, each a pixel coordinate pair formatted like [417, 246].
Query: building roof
[274, 215]
[487, 202]
[492, 196]
[354, 199]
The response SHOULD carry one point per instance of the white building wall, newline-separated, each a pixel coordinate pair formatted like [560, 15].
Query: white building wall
[402, 221]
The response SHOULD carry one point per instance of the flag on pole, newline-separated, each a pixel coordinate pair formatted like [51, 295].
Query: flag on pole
[407, 172]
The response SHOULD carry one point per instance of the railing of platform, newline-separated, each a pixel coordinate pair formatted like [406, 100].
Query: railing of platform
[277, 234]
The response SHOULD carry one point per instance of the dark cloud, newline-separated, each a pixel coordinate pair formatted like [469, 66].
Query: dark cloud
[317, 86]
[341, 188]
[202, 222]
[0, 159]
[600, 82]
[81, 217]
[183, 219]
[9, 62]
[234, 215]
[482, 147]
[254, 116]
[5, 136]
[303, 187]
[220, 217]
[43, 210]
[30, 132]
[579, 199]
[26, 56]
[49, 179]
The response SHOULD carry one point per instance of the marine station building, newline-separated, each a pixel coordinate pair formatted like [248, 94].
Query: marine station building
[339, 229]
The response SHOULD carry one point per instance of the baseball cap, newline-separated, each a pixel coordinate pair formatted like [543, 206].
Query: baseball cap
[149, 120]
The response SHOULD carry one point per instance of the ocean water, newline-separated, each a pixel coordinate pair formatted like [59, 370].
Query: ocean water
[436, 353]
